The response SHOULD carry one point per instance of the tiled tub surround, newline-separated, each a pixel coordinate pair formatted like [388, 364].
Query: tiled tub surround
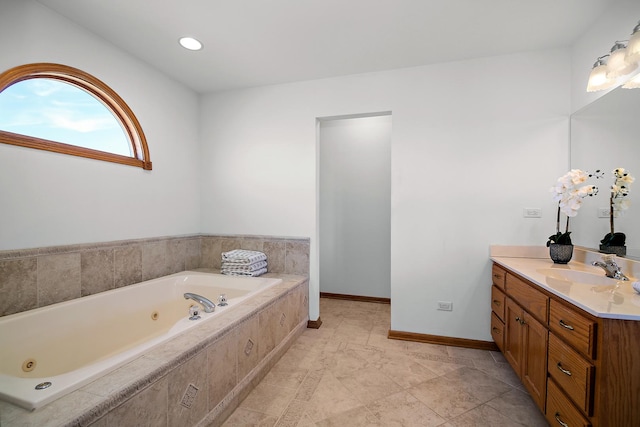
[32, 278]
[60, 339]
[197, 378]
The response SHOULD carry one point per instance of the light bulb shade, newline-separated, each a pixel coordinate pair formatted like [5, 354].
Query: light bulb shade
[598, 79]
[633, 47]
[617, 65]
[634, 83]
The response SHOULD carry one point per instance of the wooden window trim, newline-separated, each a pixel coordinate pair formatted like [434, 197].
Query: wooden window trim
[100, 90]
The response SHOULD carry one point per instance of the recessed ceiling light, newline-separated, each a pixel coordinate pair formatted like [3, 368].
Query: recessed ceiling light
[190, 43]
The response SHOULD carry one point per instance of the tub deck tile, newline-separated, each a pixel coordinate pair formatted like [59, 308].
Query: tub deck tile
[62, 412]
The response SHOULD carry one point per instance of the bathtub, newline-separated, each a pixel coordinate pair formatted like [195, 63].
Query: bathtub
[61, 347]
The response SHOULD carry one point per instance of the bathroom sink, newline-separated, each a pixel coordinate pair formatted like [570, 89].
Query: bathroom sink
[576, 276]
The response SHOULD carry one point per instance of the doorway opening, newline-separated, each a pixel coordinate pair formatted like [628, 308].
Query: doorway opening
[354, 199]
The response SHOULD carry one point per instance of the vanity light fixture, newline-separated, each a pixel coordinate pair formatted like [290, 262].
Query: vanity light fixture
[618, 65]
[190, 43]
[633, 48]
[598, 79]
[620, 68]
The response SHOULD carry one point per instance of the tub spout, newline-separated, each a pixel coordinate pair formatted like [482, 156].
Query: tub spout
[207, 304]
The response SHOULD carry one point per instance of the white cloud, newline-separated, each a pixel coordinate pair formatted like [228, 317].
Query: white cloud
[65, 120]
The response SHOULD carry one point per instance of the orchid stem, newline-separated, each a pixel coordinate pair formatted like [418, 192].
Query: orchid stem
[611, 213]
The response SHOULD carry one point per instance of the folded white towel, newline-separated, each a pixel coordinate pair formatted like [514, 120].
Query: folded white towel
[243, 267]
[244, 273]
[243, 256]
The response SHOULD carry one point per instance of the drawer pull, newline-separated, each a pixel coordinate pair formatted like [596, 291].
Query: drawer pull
[563, 424]
[564, 325]
[557, 417]
[497, 302]
[496, 330]
[497, 276]
[564, 371]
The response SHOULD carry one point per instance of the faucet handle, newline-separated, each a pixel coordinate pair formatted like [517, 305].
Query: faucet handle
[194, 313]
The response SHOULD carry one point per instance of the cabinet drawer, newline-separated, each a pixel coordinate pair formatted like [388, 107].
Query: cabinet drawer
[497, 331]
[573, 328]
[498, 275]
[497, 302]
[572, 372]
[560, 411]
[531, 299]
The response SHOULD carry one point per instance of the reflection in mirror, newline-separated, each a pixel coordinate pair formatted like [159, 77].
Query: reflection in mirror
[606, 135]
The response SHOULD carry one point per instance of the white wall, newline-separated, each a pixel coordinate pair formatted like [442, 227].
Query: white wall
[615, 24]
[474, 142]
[52, 199]
[355, 206]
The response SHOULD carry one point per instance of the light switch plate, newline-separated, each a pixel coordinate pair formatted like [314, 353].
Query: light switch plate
[445, 305]
[532, 212]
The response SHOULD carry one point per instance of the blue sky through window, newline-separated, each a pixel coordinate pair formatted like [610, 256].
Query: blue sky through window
[60, 112]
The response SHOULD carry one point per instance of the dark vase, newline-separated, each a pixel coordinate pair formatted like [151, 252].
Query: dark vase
[613, 249]
[560, 254]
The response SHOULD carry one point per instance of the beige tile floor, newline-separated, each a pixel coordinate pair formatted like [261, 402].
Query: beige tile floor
[348, 374]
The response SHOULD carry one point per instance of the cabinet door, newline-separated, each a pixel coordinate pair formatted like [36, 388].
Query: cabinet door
[534, 362]
[513, 335]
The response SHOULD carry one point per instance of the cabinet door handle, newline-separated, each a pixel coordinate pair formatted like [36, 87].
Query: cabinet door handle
[497, 302]
[564, 325]
[557, 417]
[564, 371]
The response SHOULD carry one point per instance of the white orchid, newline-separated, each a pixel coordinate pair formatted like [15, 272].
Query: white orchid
[569, 197]
[618, 202]
[620, 190]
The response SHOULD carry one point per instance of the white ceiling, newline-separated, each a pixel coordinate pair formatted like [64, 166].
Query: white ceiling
[260, 42]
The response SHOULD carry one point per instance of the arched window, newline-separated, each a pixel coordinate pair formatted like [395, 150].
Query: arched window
[62, 109]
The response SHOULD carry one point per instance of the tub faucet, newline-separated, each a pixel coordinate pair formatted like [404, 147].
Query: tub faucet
[207, 304]
[611, 269]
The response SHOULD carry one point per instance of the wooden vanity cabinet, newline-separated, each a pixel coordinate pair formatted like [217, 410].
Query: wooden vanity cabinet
[581, 370]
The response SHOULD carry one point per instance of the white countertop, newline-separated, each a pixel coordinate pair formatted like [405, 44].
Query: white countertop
[613, 299]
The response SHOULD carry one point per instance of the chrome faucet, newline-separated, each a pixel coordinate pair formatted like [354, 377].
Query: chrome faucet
[207, 304]
[611, 269]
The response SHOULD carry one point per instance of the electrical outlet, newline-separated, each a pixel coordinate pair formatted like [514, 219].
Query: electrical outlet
[603, 212]
[445, 305]
[532, 212]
